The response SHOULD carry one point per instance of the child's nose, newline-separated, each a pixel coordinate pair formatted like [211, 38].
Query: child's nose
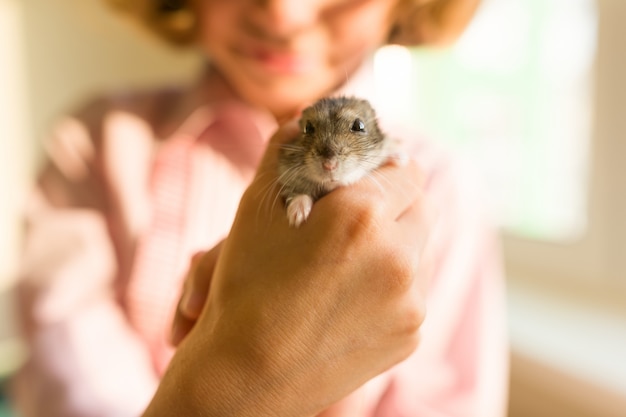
[282, 18]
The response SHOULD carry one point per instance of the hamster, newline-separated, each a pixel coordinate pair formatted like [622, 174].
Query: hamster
[340, 142]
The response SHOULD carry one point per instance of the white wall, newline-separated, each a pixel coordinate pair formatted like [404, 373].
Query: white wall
[13, 169]
[13, 133]
[75, 48]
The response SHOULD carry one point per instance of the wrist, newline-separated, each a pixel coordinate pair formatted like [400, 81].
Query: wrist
[220, 384]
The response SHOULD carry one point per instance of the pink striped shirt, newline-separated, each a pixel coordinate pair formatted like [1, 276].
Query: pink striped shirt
[136, 184]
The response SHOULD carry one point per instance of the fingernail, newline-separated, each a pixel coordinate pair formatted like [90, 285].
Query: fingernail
[192, 303]
[175, 334]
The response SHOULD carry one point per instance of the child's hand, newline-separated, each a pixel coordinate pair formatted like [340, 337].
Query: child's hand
[198, 282]
[195, 293]
[318, 310]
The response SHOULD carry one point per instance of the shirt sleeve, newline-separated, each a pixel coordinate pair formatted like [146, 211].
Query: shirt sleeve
[460, 368]
[85, 360]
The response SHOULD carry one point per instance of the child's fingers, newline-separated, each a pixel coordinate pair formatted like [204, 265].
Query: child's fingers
[181, 326]
[265, 185]
[402, 184]
[391, 187]
[296, 114]
[195, 292]
[191, 300]
[182, 323]
[284, 134]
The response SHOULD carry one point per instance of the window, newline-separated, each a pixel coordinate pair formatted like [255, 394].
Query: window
[515, 97]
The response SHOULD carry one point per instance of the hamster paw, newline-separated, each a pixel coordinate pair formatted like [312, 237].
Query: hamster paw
[298, 209]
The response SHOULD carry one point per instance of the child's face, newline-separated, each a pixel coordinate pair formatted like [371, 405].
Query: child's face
[282, 54]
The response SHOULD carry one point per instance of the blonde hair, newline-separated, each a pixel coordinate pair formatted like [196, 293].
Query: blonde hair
[418, 22]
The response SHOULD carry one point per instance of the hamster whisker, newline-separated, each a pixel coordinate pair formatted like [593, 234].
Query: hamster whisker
[287, 178]
[291, 147]
[302, 162]
[371, 177]
[267, 187]
[390, 183]
[374, 162]
[264, 200]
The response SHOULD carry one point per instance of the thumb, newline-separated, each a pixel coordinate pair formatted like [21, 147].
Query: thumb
[269, 163]
[288, 130]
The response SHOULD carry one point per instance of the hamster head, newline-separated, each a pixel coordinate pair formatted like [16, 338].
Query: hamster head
[340, 141]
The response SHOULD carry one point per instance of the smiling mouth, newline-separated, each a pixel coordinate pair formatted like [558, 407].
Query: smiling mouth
[283, 63]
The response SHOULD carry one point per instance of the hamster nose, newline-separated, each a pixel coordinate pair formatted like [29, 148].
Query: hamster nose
[329, 164]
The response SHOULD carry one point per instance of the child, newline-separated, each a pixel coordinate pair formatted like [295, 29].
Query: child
[138, 183]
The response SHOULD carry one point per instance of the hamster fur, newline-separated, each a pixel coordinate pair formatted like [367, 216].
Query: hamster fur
[340, 142]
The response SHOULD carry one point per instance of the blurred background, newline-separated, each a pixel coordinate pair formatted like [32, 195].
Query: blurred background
[533, 95]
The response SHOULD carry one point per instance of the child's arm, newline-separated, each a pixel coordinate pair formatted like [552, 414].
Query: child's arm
[461, 366]
[85, 359]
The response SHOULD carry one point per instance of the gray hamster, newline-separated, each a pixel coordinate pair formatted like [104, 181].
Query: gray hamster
[340, 142]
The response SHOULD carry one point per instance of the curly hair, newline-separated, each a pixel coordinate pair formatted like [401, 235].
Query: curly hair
[418, 22]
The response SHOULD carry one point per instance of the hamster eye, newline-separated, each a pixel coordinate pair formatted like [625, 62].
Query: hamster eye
[309, 129]
[358, 126]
